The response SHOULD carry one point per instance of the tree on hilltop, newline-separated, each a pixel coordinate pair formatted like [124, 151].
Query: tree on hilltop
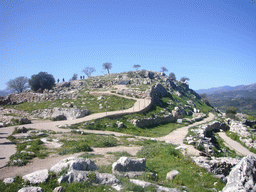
[18, 84]
[41, 81]
[88, 71]
[172, 76]
[136, 67]
[163, 69]
[184, 79]
[107, 66]
[74, 77]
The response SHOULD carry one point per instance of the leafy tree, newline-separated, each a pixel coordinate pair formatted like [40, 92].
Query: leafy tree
[184, 79]
[231, 112]
[88, 71]
[163, 69]
[74, 77]
[107, 66]
[18, 84]
[136, 67]
[172, 76]
[41, 81]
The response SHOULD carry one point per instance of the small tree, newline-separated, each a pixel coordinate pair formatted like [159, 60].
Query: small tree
[41, 81]
[74, 77]
[88, 71]
[163, 69]
[231, 112]
[184, 79]
[107, 66]
[136, 67]
[172, 76]
[18, 84]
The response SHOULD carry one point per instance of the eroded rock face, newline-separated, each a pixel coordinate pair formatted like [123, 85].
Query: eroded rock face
[243, 176]
[36, 177]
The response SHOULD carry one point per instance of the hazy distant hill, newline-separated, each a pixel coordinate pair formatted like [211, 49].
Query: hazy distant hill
[227, 89]
[5, 92]
[243, 97]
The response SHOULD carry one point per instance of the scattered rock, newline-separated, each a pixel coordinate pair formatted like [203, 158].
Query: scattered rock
[31, 189]
[172, 174]
[119, 124]
[36, 177]
[59, 189]
[8, 180]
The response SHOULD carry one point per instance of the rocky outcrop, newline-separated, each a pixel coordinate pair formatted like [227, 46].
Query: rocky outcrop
[56, 113]
[172, 174]
[129, 167]
[243, 176]
[36, 177]
[74, 163]
[220, 166]
[158, 91]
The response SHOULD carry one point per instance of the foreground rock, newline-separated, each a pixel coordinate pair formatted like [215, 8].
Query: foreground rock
[36, 177]
[74, 163]
[243, 176]
[129, 167]
[31, 189]
[157, 187]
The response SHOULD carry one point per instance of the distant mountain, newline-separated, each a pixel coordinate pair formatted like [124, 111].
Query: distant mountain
[243, 97]
[3, 93]
[227, 89]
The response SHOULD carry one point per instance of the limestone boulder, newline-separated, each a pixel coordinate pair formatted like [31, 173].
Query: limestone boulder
[37, 176]
[172, 174]
[73, 163]
[8, 180]
[31, 189]
[243, 176]
[125, 164]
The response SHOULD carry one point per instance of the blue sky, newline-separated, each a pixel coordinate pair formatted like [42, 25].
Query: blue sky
[211, 42]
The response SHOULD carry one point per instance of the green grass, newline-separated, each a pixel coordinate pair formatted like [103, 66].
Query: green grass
[107, 124]
[163, 158]
[85, 142]
[109, 103]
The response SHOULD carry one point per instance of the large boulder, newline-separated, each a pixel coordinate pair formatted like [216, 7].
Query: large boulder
[126, 167]
[243, 176]
[37, 176]
[73, 163]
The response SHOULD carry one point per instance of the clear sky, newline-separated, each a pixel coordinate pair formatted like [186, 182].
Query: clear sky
[212, 42]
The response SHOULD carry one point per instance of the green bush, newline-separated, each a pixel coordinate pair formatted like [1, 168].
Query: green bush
[41, 81]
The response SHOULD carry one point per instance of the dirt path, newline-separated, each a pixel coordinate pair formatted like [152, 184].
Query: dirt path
[178, 135]
[47, 163]
[234, 145]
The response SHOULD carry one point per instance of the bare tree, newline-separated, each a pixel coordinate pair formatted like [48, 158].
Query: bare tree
[163, 69]
[88, 71]
[107, 66]
[184, 79]
[18, 84]
[172, 76]
[136, 67]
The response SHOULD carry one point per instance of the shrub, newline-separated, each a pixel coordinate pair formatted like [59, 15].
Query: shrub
[41, 81]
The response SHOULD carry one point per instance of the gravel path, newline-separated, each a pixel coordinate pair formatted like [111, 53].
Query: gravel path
[234, 145]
